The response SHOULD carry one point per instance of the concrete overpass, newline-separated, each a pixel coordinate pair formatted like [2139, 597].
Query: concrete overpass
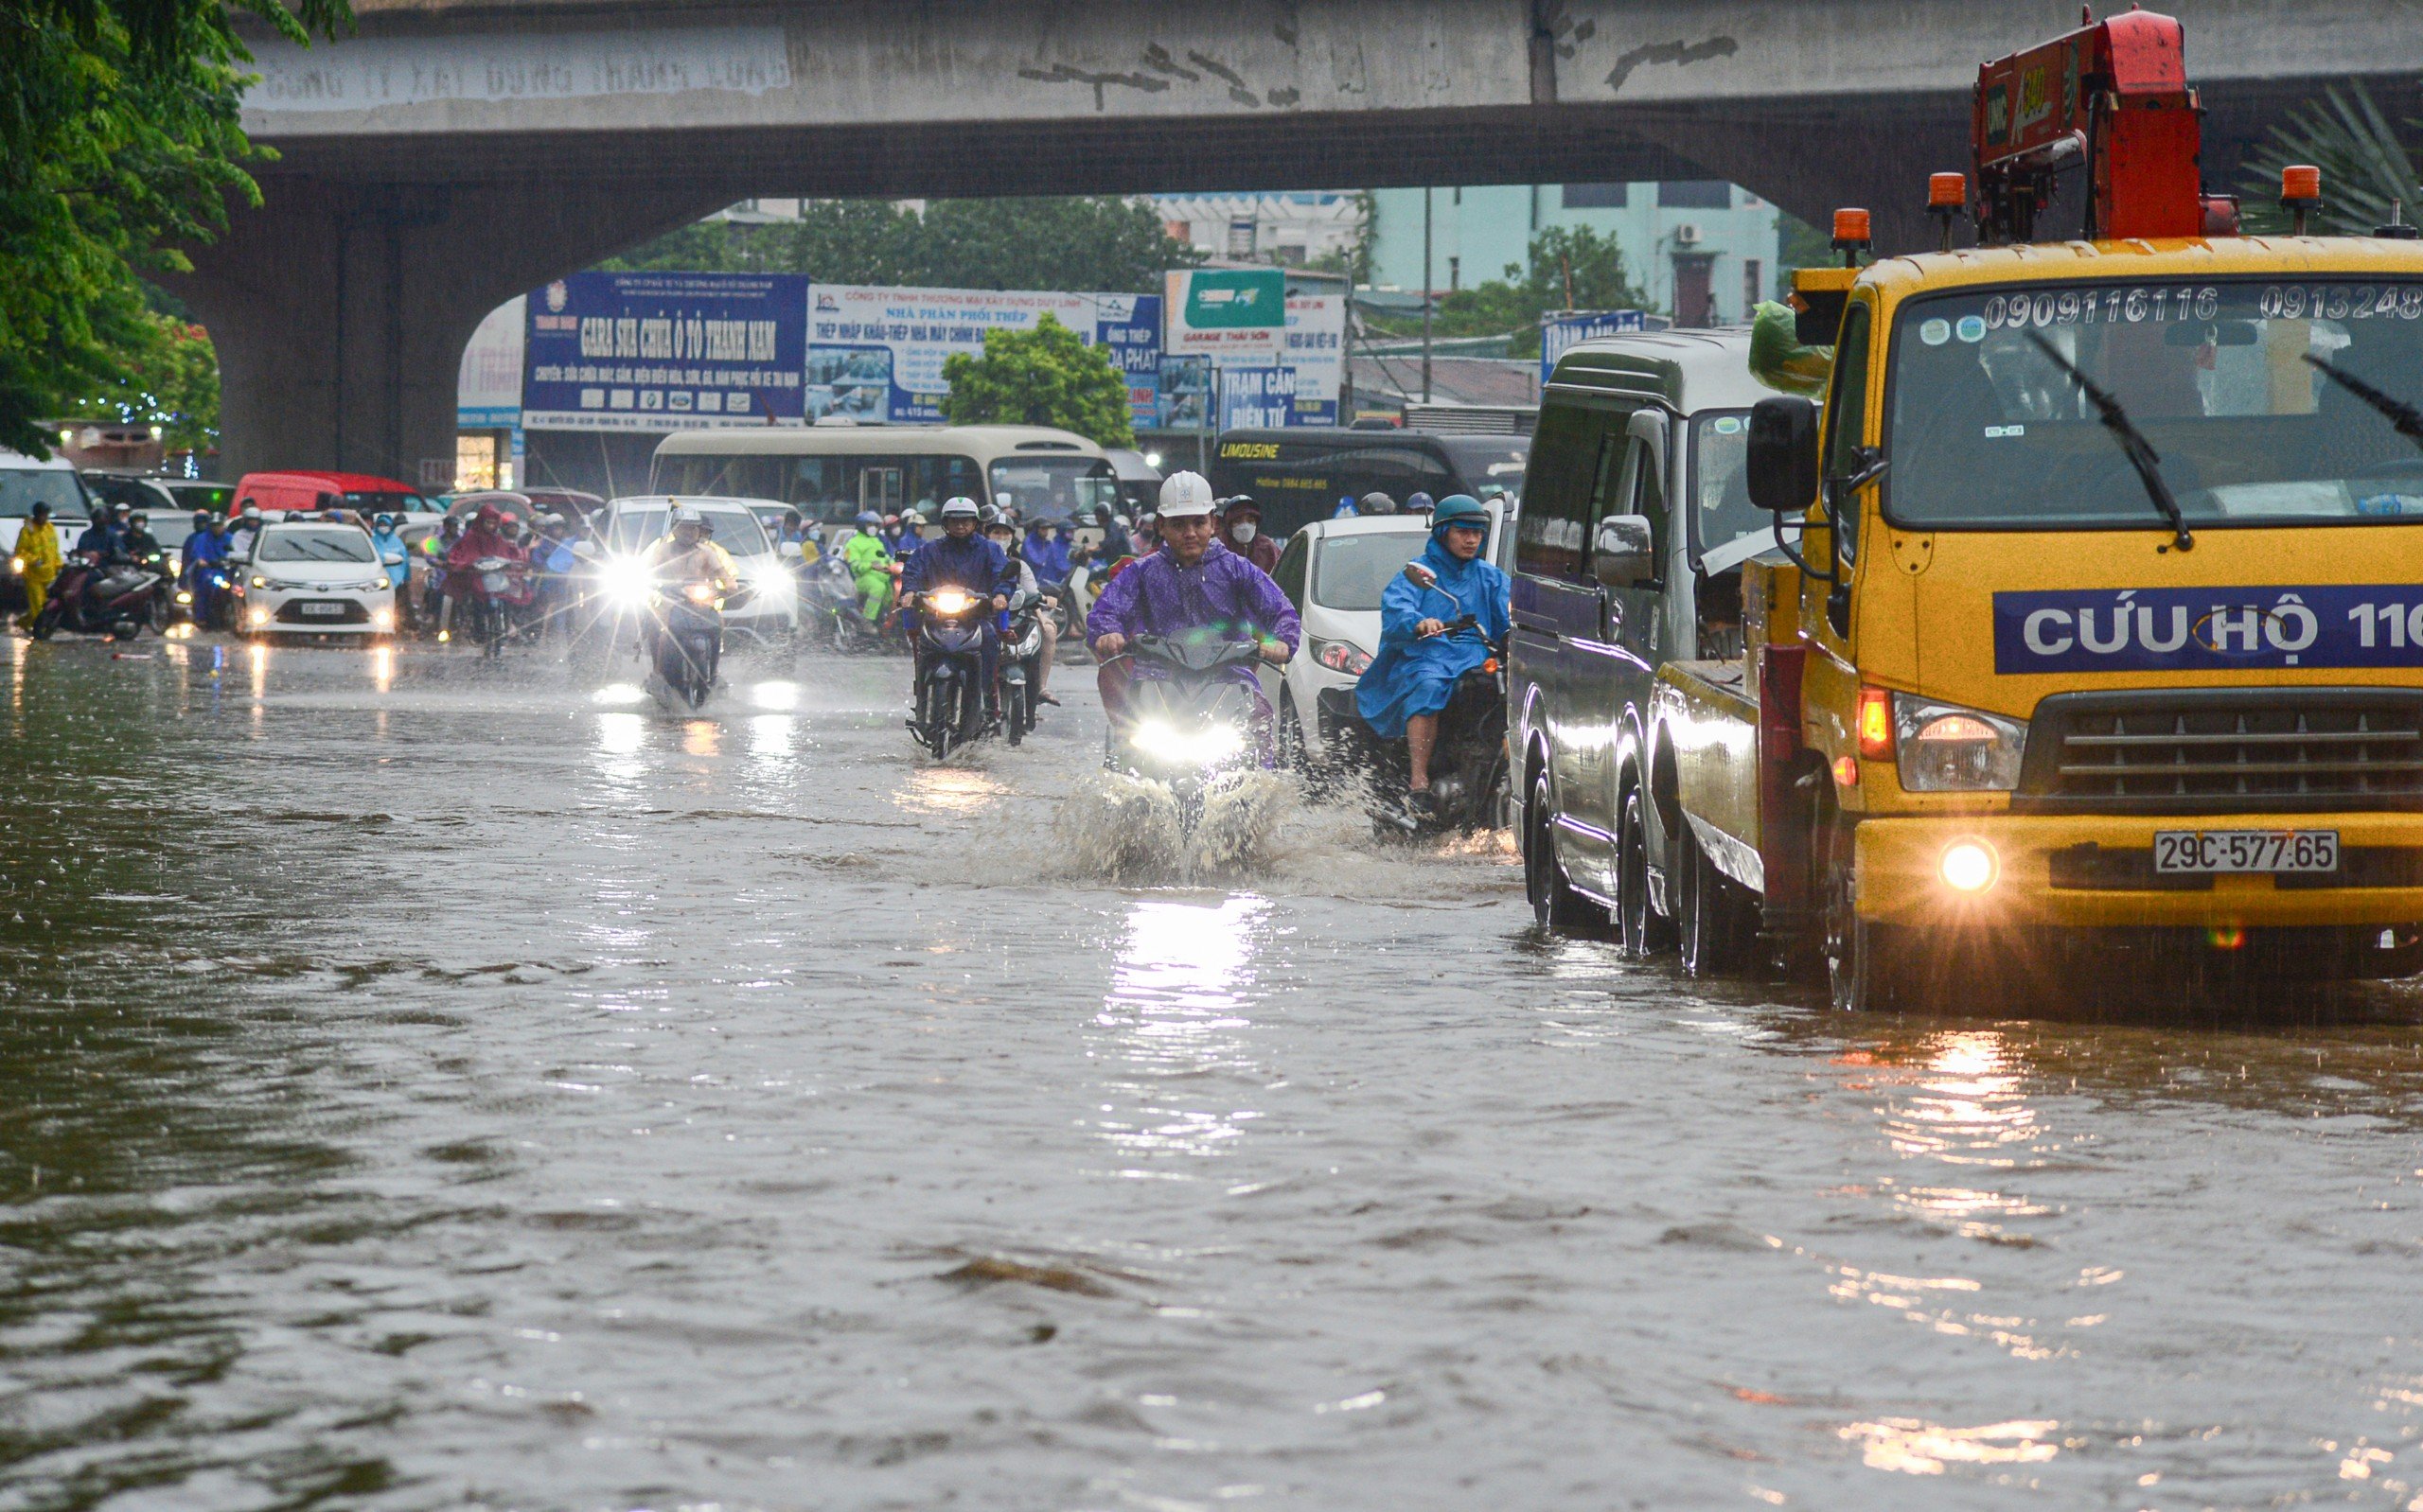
[458, 152]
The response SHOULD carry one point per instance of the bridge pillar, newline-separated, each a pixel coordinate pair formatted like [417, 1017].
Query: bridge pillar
[340, 310]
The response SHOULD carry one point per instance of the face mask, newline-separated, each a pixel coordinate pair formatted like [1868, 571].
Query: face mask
[1245, 530]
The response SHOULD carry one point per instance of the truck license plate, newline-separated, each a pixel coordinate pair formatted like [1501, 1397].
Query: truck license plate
[324, 611]
[2177, 850]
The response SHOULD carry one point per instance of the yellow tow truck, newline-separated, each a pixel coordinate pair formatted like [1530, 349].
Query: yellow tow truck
[2105, 623]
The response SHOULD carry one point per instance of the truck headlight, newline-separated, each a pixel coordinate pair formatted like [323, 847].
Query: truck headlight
[1942, 748]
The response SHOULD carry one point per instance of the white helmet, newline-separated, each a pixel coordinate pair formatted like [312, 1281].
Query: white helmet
[1185, 496]
[960, 507]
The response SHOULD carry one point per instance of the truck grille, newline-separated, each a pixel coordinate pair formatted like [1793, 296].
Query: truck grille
[2225, 750]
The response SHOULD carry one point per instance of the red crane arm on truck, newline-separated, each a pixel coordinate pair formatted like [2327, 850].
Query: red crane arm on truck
[2112, 97]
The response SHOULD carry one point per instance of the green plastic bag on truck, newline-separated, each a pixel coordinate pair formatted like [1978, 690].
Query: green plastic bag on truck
[1776, 357]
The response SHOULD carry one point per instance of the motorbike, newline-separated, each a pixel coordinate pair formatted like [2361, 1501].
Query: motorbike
[1021, 658]
[829, 613]
[1192, 728]
[1468, 786]
[950, 648]
[117, 600]
[213, 586]
[687, 635]
[491, 607]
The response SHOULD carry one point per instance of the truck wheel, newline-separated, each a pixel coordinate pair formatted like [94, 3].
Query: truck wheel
[1717, 926]
[1646, 932]
[1867, 963]
[1555, 905]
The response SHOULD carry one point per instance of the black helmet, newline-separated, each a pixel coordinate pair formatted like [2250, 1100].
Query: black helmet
[1376, 502]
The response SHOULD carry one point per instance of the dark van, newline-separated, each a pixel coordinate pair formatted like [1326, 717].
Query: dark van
[1299, 476]
[1636, 520]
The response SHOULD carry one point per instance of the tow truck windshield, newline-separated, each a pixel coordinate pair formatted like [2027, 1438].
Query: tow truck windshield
[2228, 382]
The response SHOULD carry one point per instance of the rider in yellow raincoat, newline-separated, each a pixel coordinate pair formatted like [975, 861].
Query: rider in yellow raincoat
[37, 559]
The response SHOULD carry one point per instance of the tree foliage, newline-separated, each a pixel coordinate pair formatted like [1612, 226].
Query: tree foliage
[1092, 244]
[1570, 268]
[118, 141]
[2366, 167]
[167, 375]
[1047, 376]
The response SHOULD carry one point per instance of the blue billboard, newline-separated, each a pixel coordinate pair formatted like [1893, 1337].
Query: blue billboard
[1559, 333]
[664, 351]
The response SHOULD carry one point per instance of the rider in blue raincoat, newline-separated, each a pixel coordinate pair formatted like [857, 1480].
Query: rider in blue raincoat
[1421, 660]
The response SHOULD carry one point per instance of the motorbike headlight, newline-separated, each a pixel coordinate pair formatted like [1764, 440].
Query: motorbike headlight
[1945, 748]
[17, 565]
[260, 581]
[1341, 656]
[1201, 747]
[699, 593]
[950, 603]
[625, 581]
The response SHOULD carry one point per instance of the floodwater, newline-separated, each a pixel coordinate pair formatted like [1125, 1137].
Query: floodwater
[431, 1084]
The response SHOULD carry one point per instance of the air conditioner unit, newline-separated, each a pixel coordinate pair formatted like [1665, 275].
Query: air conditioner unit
[1686, 235]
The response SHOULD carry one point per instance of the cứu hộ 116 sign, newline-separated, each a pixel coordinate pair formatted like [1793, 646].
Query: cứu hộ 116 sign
[664, 351]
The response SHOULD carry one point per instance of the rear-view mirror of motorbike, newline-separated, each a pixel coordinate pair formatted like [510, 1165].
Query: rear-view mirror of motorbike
[1782, 467]
[1420, 576]
[1623, 551]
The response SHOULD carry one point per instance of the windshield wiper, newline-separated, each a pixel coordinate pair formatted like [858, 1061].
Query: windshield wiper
[2139, 451]
[2403, 417]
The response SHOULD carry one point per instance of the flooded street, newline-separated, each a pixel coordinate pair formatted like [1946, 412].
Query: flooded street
[435, 1083]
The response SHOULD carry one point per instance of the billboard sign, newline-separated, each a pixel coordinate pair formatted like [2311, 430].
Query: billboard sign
[1314, 351]
[1560, 333]
[1128, 329]
[1228, 314]
[664, 351]
[1256, 397]
[487, 390]
[878, 354]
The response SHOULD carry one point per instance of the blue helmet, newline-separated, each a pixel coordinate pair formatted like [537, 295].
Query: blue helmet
[1459, 509]
[868, 518]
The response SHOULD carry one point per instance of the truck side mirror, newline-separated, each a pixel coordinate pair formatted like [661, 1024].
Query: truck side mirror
[1623, 551]
[1782, 467]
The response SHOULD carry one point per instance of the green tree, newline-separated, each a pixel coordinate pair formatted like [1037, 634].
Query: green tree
[2367, 168]
[168, 377]
[1577, 259]
[1043, 377]
[1100, 245]
[118, 141]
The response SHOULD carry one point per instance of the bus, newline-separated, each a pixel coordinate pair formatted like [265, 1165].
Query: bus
[831, 472]
[1301, 475]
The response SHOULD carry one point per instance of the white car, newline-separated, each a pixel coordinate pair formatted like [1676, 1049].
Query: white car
[25, 483]
[629, 526]
[313, 577]
[1334, 572]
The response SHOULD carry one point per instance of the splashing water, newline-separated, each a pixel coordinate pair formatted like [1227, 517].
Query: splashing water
[1126, 829]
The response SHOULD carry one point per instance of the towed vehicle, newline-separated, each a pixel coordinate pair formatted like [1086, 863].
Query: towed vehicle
[2103, 638]
[1191, 729]
[949, 692]
[119, 600]
[1468, 786]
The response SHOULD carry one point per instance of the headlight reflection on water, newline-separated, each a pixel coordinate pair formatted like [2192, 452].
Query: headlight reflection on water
[1175, 1011]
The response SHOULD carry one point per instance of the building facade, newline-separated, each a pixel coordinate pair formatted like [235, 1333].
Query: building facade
[1703, 251]
[1290, 229]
